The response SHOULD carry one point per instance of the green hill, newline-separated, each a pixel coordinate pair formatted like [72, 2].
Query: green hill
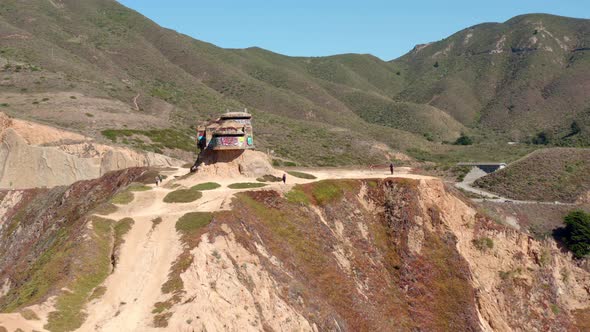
[99, 67]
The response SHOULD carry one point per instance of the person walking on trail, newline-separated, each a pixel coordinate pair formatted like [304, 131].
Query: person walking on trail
[284, 178]
[157, 181]
[391, 168]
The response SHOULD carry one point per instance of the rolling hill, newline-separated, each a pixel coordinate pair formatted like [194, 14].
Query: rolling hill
[98, 67]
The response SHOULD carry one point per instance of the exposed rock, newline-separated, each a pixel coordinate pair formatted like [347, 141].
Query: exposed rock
[33, 155]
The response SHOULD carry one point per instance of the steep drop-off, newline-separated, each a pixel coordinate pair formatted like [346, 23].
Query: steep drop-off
[380, 254]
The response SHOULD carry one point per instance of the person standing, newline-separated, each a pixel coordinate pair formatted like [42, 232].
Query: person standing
[391, 168]
[284, 178]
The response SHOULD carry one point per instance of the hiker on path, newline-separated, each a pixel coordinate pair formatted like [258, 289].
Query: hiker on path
[391, 168]
[157, 181]
[284, 178]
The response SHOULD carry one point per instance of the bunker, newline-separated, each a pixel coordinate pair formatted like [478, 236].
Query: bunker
[231, 131]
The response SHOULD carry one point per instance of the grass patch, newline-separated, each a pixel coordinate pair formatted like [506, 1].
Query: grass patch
[160, 138]
[246, 185]
[124, 197]
[106, 209]
[183, 196]
[302, 175]
[206, 186]
[193, 221]
[97, 293]
[121, 228]
[29, 314]
[326, 191]
[92, 272]
[298, 196]
[138, 187]
[269, 178]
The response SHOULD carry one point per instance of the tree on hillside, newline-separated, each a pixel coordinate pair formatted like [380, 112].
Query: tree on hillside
[542, 138]
[577, 233]
[463, 140]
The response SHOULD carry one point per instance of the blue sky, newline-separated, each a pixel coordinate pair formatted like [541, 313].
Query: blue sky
[387, 29]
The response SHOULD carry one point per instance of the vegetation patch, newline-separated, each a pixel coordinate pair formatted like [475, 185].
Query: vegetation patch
[326, 191]
[29, 314]
[156, 222]
[577, 233]
[183, 196]
[122, 198]
[206, 186]
[106, 209]
[93, 271]
[483, 243]
[302, 175]
[246, 185]
[297, 196]
[269, 178]
[190, 226]
[159, 138]
[138, 187]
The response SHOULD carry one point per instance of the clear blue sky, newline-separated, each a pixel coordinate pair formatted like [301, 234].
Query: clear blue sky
[385, 28]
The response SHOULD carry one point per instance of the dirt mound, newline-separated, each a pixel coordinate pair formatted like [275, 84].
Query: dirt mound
[34, 155]
[235, 163]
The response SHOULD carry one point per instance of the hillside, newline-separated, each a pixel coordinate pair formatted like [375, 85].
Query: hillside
[348, 254]
[558, 174]
[101, 69]
[518, 78]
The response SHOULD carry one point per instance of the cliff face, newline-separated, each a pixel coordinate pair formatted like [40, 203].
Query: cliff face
[345, 255]
[34, 155]
[388, 255]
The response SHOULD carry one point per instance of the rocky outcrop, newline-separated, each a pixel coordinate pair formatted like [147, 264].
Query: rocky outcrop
[33, 155]
[233, 163]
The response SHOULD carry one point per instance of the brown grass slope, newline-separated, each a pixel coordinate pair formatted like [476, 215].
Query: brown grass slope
[557, 174]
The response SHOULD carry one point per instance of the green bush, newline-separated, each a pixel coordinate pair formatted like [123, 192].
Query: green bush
[577, 233]
[464, 140]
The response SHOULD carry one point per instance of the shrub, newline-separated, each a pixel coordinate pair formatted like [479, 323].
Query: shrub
[542, 138]
[577, 233]
[483, 243]
[463, 140]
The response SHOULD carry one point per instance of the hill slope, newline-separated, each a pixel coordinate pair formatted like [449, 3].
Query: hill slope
[95, 65]
[518, 78]
[558, 174]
